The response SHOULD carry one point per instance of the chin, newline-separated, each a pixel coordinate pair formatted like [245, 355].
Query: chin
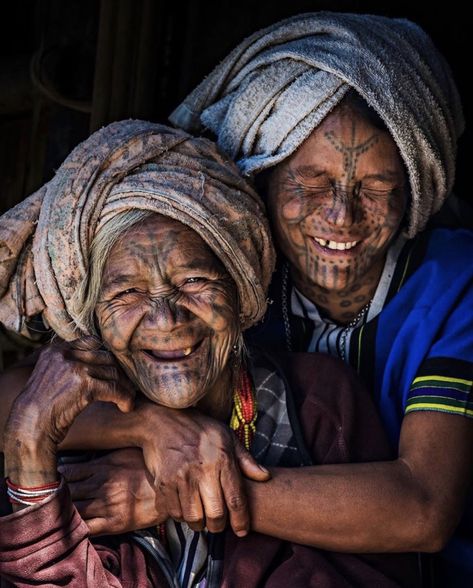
[173, 399]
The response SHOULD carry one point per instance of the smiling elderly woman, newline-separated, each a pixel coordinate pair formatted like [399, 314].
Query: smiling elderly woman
[147, 244]
[173, 336]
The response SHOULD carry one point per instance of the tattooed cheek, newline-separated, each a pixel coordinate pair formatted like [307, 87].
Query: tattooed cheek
[292, 210]
[313, 225]
[114, 337]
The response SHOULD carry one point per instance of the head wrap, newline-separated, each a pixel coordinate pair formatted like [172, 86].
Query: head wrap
[45, 240]
[269, 94]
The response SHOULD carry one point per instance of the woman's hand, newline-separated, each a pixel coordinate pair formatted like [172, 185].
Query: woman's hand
[114, 493]
[66, 379]
[197, 467]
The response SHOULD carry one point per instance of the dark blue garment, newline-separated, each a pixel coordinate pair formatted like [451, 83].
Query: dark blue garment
[416, 354]
[424, 332]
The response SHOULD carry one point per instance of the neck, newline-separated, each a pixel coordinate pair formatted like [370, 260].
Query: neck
[341, 305]
[217, 403]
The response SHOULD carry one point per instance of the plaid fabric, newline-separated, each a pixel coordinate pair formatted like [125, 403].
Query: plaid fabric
[274, 443]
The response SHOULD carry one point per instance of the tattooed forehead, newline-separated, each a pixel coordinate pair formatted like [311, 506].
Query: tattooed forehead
[345, 148]
[161, 243]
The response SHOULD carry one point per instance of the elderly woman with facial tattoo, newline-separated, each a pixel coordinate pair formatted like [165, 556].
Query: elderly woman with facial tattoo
[148, 255]
[350, 123]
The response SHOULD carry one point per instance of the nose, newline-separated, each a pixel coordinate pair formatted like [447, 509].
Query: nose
[341, 211]
[164, 315]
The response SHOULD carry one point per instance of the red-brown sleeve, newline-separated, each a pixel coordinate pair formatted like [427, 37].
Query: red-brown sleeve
[48, 545]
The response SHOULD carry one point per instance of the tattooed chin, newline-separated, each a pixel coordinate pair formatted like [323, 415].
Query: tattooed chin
[176, 387]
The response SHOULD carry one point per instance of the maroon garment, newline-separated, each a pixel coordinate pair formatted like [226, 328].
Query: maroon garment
[47, 545]
[340, 425]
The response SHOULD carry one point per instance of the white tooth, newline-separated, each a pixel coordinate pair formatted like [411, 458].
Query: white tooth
[341, 246]
[332, 245]
[187, 351]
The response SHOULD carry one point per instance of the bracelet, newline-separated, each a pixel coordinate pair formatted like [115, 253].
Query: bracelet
[32, 495]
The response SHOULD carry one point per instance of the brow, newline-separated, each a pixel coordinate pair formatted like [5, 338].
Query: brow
[117, 281]
[309, 171]
[386, 176]
[197, 266]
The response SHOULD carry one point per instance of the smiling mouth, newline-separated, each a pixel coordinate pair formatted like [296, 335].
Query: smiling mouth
[173, 354]
[335, 245]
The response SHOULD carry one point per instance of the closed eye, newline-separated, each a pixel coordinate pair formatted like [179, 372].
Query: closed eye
[376, 193]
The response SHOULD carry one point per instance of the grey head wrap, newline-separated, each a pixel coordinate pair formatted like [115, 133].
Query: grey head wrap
[269, 94]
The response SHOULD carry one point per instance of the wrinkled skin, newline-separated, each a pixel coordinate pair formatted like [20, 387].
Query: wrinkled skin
[114, 493]
[345, 185]
[193, 477]
[43, 413]
[168, 313]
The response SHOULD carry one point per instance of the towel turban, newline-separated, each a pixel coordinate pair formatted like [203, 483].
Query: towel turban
[45, 240]
[268, 95]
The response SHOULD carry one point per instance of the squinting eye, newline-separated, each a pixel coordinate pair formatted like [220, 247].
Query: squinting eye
[194, 280]
[129, 291]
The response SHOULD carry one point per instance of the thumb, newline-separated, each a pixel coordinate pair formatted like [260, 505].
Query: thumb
[97, 526]
[110, 391]
[250, 468]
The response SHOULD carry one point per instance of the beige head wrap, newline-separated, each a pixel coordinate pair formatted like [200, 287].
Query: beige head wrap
[45, 240]
[269, 94]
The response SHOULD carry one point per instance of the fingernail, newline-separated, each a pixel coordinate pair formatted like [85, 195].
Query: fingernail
[263, 469]
[241, 533]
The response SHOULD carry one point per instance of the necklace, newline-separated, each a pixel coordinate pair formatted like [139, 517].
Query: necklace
[351, 325]
[285, 307]
[244, 413]
[287, 325]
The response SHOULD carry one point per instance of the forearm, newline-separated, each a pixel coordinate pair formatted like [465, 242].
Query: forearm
[102, 426]
[11, 385]
[377, 507]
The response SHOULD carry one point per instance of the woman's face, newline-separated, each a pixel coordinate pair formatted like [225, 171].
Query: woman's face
[337, 202]
[167, 311]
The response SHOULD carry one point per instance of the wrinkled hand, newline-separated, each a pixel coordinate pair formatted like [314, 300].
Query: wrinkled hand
[66, 379]
[114, 493]
[197, 465]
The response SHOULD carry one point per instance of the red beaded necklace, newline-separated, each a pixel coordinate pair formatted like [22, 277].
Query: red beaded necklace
[244, 413]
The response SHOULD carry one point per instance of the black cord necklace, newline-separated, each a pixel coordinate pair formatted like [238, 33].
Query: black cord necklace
[287, 325]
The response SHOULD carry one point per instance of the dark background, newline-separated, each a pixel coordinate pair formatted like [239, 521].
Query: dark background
[67, 67]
